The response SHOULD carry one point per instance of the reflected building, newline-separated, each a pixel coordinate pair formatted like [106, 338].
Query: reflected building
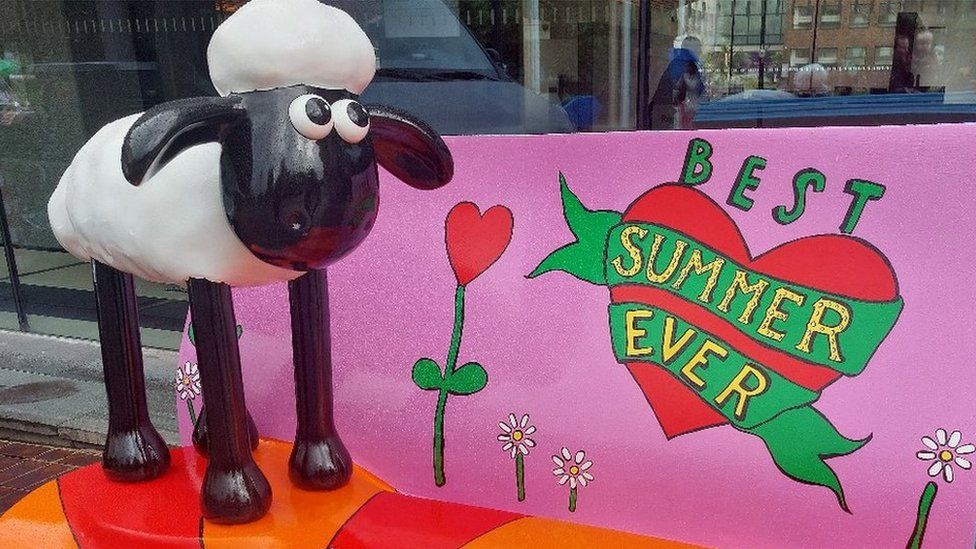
[762, 44]
[742, 42]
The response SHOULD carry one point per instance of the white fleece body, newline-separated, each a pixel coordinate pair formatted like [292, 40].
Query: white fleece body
[170, 228]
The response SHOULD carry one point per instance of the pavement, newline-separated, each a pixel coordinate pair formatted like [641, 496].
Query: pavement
[24, 467]
[53, 414]
[51, 391]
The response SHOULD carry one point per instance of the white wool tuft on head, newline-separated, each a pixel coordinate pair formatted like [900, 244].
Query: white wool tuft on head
[269, 44]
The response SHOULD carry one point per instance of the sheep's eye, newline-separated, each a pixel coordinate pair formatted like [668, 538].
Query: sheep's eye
[351, 120]
[318, 111]
[311, 116]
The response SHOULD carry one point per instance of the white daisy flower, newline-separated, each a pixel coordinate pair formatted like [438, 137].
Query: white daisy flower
[572, 468]
[187, 381]
[515, 435]
[944, 451]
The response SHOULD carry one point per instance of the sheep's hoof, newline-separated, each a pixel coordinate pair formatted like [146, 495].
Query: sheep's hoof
[320, 464]
[235, 495]
[200, 436]
[136, 455]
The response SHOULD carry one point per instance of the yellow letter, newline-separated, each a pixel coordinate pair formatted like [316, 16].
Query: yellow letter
[679, 250]
[669, 347]
[774, 312]
[740, 283]
[633, 332]
[816, 326]
[695, 262]
[632, 250]
[701, 359]
[738, 385]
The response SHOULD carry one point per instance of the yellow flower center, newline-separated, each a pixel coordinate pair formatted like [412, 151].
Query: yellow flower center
[574, 470]
[945, 455]
[517, 435]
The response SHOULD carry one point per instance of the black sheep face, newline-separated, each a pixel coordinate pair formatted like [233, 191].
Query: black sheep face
[298, 165]
[299, 175]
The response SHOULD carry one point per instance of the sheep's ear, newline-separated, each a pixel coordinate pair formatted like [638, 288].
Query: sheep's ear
[409, 149]
[168, 128]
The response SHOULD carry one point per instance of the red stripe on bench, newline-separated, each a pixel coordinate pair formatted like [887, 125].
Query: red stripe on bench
[166, 510]
[395, 521]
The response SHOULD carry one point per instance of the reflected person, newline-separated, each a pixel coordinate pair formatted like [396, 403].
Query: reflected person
[680, 90]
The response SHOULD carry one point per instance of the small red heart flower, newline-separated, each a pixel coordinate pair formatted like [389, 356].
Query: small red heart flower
[476, 241]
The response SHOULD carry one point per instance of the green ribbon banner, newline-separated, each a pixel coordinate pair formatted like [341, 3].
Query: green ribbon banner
[744, 391]
[752, 397]
[838, 332]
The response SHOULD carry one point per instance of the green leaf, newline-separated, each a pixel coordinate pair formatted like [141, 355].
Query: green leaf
[467, 379]
[582, 258]
[800, 439]
[582, 221]
[427, 375]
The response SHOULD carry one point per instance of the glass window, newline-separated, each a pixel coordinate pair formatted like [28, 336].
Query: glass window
[827, 56]
[830, 15]
[802, 16]
[883, 55]
[888, 12]
[799, 57]
[68, 67]
[851, 66]
[861, 13]
[911, 5]
[756, 21]
[855, 56]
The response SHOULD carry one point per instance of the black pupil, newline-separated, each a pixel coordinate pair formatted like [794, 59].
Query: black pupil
[357, 114]
[318, 111]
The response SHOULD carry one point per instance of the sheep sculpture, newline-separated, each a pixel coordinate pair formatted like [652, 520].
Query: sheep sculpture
[271, 181]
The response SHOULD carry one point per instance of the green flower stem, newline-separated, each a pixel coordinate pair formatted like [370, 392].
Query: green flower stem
[449, 367]
[193, 412]
[452, 352]
[572, 500]
[439, 479]
[520, 475]
[924, 506]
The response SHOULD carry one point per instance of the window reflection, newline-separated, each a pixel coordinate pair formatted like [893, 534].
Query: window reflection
[827, 57]
[861, 13]
[883, 55]
[864, 61]
[888, 13]
[802, 16]
[830, 14]
[855, 57]
[67, 67]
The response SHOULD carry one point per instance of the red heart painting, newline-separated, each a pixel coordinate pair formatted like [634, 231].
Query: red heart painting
[476, 241]
[836, 264]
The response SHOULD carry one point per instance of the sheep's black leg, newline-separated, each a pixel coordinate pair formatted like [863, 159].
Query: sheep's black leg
[133, 448]
[200, 437]
[319, 461]
[234, 489]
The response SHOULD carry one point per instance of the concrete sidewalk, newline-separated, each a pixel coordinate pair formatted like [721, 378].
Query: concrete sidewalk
[51, 391]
